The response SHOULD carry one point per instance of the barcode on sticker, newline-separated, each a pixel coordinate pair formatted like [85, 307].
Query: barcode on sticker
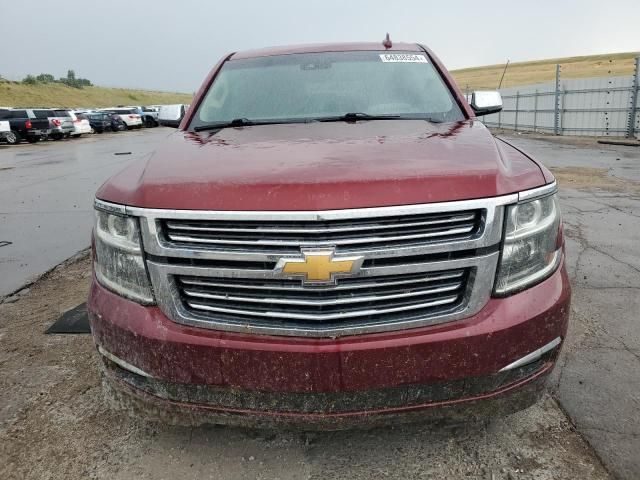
[403, 57]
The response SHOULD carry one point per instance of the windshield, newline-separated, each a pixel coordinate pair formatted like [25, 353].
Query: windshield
[312, 86]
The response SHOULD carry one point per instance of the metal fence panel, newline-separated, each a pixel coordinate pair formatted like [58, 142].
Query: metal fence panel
[603, 106]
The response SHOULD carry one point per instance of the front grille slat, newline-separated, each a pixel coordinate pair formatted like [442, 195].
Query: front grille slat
[315, 243]
[288, 314]
[318, 302]
[202, 227]
[345, 283]
[348, 235]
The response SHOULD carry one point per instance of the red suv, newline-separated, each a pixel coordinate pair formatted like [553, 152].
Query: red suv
[330, 239]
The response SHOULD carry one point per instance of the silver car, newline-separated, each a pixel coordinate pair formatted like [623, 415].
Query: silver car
[60, 122]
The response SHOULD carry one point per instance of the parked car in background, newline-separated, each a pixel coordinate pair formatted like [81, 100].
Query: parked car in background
[60, 122]
[171, 115]
[150, 116]
[105, 122]
[25, 125]
[117, 124]
[99, 121]
[129, 116]
[148, 120]
[81, 124]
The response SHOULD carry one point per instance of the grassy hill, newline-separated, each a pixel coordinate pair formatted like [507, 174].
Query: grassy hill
[59, 95]
[525, 73]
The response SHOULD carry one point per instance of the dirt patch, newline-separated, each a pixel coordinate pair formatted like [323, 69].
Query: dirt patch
[54, 423]
[585, 178]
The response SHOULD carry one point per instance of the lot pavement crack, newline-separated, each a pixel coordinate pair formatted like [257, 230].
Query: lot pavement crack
[576, 233]
[606, 254]
[621, 342]
[614, 207]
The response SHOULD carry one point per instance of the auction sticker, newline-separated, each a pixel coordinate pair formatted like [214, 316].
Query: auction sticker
[403, 58]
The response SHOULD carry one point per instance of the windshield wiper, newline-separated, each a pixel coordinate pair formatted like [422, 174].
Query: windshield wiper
[354, 116]
[347, 117]
[245, 122]
[236, 122]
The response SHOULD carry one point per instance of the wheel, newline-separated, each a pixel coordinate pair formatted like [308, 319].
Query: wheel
[67, 135]
[57, 136]
[13, 138]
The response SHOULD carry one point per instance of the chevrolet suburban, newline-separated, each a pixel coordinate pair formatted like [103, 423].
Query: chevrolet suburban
[330, 239]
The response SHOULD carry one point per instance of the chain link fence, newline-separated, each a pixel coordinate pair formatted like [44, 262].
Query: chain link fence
[604, 106]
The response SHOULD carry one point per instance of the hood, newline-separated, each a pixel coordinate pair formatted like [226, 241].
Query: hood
[324, 166]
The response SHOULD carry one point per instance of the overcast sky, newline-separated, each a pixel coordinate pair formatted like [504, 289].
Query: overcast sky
[172, 44]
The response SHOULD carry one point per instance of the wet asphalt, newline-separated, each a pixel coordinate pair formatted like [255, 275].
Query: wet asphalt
[46, 195]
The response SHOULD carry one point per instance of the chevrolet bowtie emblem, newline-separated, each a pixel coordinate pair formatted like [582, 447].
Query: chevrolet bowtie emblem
[318, 266]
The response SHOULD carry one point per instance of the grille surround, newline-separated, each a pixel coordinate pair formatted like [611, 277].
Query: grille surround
[170, 299]
[477, 253]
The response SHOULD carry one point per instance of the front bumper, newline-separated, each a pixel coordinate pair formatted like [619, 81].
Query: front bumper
[191, 405]
[221, 377]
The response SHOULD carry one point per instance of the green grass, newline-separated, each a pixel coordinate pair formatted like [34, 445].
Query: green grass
[526, 73]
[13, 94]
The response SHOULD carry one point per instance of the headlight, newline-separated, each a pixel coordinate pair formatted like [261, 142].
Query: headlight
[530, 253]
[119, 264]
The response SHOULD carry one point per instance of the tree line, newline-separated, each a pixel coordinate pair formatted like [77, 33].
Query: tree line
[70, 80]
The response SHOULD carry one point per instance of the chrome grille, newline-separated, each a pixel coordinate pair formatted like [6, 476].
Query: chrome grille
[353, 298]
[287, 236]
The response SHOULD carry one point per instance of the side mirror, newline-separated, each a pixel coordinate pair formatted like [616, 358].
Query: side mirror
[485, 102]
[171, 115]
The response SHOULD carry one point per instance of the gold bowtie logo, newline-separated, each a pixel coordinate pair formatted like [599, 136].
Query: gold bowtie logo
[319, 266]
